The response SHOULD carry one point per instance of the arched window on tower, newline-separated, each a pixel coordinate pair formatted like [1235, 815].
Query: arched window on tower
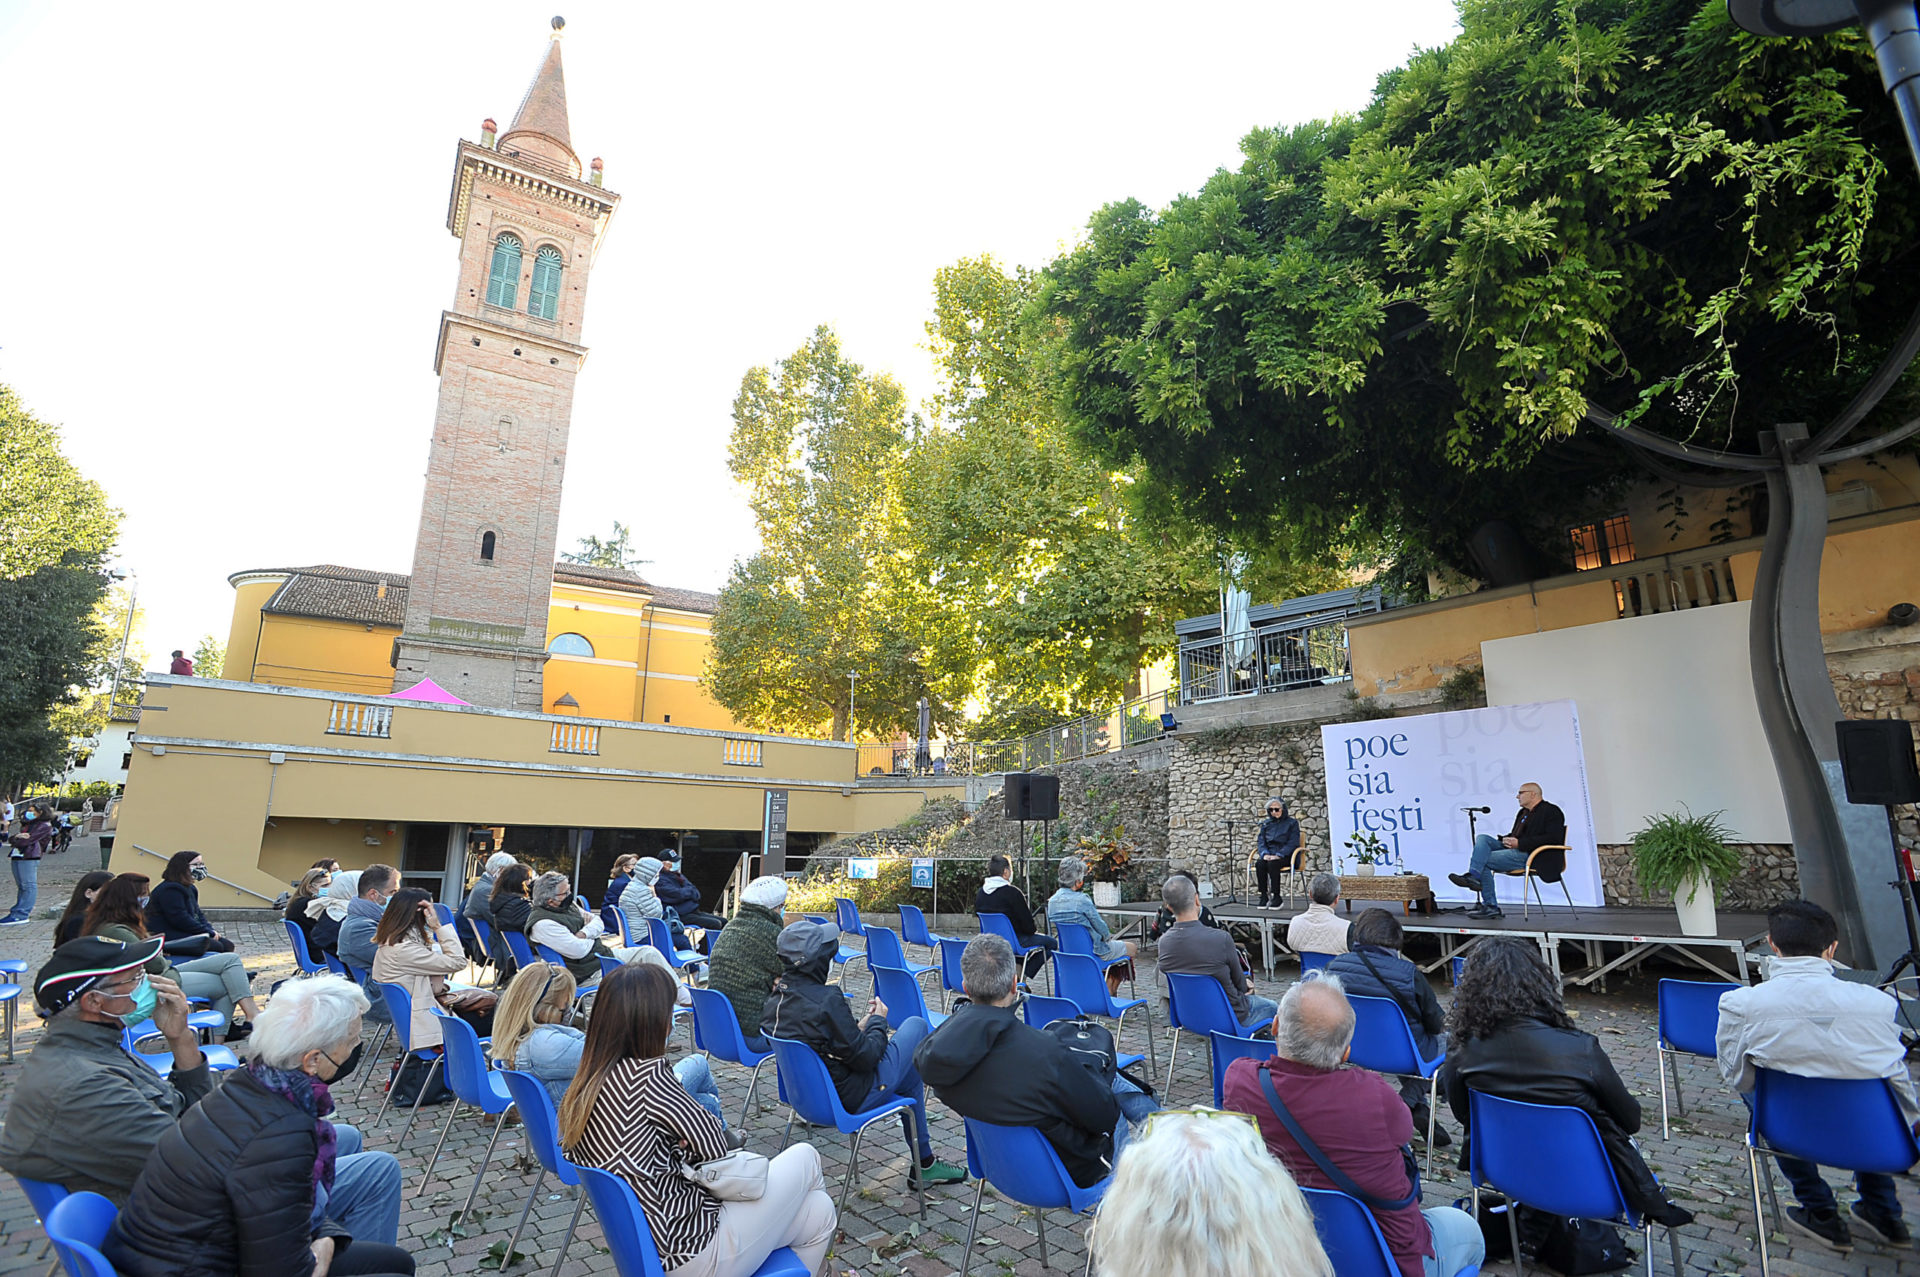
[486, 547]
[503, 286]
[543, 299]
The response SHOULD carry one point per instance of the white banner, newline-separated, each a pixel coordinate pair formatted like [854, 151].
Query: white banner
[1410, 781]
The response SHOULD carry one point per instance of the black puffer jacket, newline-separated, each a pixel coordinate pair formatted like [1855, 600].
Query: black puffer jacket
[1372, 972]
[173, 910]
[803, 1009]
[227, 1191]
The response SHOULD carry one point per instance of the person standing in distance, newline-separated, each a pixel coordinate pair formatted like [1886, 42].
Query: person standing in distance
[1538, 824]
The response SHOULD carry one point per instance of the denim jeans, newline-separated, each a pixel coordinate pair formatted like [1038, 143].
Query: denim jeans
[1490, 858]
[898, 1080]
[1813, 1192]
[26, 887]
[1135, 1107]
[1260, 1009]
[1458, 1243]
[697, 1076]
[366, 1190]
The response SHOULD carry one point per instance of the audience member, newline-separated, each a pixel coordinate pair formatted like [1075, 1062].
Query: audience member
[561, 923]
[640, 904]
[511, 906]
[1509, 1035]
[1072, 904]
[677, 892]
[1807, 1021]
[70, 924]
[985, 1064]
[254, 1180]
[173, 911]
[1198, 1195]
[627, 1113]
[221, 978]
[745, 957]
[312, 883]
[84, 1113]
[329, 910]
[418, 952]
[1190, 947]
[998, 895]
[25, 850]
[1357, 1126]
[480, 896]
[356, 945]
[1163, 920]
[1273, 852]
[1320, 929]
[617, 880]
[866, 1067]
[1374, 968]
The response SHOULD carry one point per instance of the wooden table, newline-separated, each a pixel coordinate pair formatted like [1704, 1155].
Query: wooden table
[1405, 888]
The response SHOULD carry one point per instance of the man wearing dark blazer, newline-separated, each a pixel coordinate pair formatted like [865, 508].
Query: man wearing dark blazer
[1538, 824]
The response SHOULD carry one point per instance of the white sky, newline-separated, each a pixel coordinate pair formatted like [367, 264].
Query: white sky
[228, 228]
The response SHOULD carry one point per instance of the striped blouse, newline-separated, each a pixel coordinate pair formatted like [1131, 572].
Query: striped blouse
[640, 1119]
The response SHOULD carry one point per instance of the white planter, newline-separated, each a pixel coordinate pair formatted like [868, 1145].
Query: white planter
[1694, 903]
[1365, 871]
[1106, 895]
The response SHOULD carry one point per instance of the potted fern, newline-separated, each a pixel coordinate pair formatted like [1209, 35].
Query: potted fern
[1689, 856]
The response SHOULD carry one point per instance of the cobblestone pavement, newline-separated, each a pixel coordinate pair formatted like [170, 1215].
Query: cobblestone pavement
[1703, 1165]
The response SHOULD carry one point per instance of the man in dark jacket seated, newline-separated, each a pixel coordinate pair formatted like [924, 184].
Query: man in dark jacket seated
[866, 1068]
[680, 895]
[1373, 968]
[1538, 824]
[987, 1065]
[998, 895]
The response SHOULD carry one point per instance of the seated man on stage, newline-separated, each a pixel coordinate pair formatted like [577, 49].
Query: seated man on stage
[1538, 824]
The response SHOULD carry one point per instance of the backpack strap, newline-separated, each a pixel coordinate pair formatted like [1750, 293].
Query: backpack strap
[1341, 1180]
[1412, 1015]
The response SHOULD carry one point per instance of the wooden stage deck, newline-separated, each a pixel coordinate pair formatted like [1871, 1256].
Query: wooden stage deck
[1601, 940]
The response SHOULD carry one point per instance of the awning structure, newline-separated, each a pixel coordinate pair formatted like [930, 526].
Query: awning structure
[428, 690]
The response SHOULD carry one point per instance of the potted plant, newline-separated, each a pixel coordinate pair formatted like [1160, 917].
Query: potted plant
[1105, 858]
[1689, 856]
[1368, 851]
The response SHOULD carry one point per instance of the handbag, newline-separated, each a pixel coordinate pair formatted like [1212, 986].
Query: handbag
[187, 947]
[740, 1176]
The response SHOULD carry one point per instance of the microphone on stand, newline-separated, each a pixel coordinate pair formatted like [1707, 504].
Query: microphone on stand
[1485, 811]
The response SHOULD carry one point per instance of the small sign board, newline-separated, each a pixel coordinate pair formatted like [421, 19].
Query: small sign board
[922, 872]
[863, 868]
[773, 833]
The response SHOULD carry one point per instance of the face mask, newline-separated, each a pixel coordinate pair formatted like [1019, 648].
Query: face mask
[143, 901]
[144, 1002]
[346, 1066]
[199, 872]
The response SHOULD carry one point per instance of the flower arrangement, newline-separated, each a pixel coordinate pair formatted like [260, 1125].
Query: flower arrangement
[1367, 848]
[1105, 857]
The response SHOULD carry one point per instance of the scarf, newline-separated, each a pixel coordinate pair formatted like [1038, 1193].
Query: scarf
[341, 892]
[309, 1094]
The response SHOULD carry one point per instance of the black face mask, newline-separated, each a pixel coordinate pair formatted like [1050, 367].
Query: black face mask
[343, 1067]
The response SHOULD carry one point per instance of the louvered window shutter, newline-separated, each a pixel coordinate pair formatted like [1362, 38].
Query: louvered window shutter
[543, 301]
[504, 285]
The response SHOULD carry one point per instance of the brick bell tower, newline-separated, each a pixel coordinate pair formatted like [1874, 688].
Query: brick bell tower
[510, 346]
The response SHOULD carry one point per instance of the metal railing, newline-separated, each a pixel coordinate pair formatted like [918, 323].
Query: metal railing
[1308, 653]
[146, 851]
[355, 718]
[1129, 723]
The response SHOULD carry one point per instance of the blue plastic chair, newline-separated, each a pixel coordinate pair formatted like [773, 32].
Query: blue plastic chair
[334, 964]
[472, 1082]
[1022, 1167]
[716, 1030]
[1549, 1157]
[77, 1226]
[1689, 1020]
[518, 947]
[1039, 1011]
[219, 1058]
[808, 1089]
[1352, 1238]
[630, 1238]
[1198, 1004]
[901, 992]
[913, 928]
[1075, 937]
[1079, 980]
[661, 938]
[846, 915]
[483, 932]
[400, 1010]
[998, 924]
[1314, 961]
[542, 1122]
[951, 951]
[1383, 1041]
[444, 913]
[302, 955]
[43, 1195]
[1851, 1124]
[884, 949]
[1227, 1049]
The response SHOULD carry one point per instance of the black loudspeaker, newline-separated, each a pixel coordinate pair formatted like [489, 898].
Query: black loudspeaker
[1876, 760]
[1032, 796]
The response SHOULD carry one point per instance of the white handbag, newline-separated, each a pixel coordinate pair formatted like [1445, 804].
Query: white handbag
[739, 1176]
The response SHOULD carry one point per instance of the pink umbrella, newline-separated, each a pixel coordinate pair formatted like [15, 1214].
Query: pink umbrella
[428, 690]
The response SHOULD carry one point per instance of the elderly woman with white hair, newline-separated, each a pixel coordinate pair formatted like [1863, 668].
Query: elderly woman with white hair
[479, 899]
[1198, 1195]
[254, 1180]
[745, 960]
[563, 924]
[1071, 903]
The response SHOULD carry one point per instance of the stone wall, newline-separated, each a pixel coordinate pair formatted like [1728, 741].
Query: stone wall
[1769, 877]
[1228, 774]
[1876, 674]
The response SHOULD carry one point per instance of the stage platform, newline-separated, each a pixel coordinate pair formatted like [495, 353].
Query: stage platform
[1601, 940]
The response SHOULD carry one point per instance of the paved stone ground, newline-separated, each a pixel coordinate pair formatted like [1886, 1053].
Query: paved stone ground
[1703, 1164]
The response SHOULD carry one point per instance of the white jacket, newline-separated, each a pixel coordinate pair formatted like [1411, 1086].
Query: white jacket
[1807, 1021]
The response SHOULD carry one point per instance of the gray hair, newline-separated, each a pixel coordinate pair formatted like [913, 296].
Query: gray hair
[987, 968]
[547, 887]
[769, 892]
[1179, 894]
[305, 1015]
[1314, 1025]
[1072, 871]
[1324, 889]
[500, 860]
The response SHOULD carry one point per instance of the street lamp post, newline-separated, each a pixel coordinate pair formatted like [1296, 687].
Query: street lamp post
[133, 599]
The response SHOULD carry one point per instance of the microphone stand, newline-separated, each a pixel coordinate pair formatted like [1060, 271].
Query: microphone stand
[1233, 872]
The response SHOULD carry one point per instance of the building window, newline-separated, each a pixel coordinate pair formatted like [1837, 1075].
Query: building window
[486, 547]
[504, 284]
[543, 299]
[1602, 544]
[126, 760]
[570, 645]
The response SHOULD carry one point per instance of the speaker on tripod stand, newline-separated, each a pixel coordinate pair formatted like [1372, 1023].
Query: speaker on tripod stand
[1877, 764]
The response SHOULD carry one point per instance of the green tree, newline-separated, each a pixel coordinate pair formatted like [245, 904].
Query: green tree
[48, 509]
[210, 657]
[1380, 331]
[48, 655]
[615, 551]
[820, 446]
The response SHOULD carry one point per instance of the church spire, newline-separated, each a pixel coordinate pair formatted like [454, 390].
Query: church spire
[539, 129]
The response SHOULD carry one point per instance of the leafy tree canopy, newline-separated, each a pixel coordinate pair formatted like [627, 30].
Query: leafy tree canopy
[48, 509]
[615, 551]
[1382, 330]
[210, 657]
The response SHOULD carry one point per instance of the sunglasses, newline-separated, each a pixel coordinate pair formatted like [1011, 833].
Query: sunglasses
[1198, 1110]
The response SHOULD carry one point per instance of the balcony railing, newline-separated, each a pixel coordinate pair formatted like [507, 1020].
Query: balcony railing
[354, 718]
[1674, 583]
[1129, 723]
[575, 738]
[1309, 653]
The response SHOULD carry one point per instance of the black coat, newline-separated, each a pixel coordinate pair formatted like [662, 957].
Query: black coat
[1008, 900]
[1534, 1062]
[804, 1009]
[173, 910]
[1545, 825]
[1279, 836]
[227, 1191]
[985, 1064]
[1398, 981]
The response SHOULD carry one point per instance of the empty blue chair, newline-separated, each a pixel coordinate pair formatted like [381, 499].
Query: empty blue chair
[542, 1122]
[884, 949]
[77, 1226]
[302, 955]
[716, 1030]
[400, 1010]
[1313, 961]
[43, 1196]
[1689, 1019]
[846, 916]
[10, 999]
[1227, 1049]
[1199, 1005]
[998, 924]
[630, 1237]
[483, 932]
[901, 993]
[1022, 1166]
[661, 938]
[1352, 1238]
[809, 1092]
[1039, 1011]
[951, 951]
[913, 928]
[1075, 938]
[1079, 980]
[1383, 1041]
[1549, 1157]
[472, 1083]
[518, 947]
[1852, 1125]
